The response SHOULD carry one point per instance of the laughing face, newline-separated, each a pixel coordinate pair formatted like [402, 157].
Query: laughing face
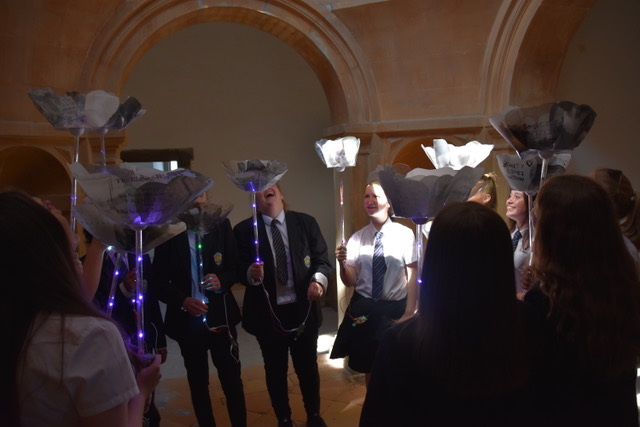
[517, 208]
[376, 204]
[270, 201]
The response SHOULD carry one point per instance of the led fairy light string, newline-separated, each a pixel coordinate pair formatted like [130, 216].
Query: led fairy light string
[201, 220]
[254, 176]
[116, 260]
[254, 212]
[139, 295]
[137, 198]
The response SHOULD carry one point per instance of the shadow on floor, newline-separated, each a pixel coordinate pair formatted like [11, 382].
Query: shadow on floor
[342, 391]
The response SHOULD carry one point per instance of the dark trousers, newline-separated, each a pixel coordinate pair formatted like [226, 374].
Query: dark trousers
[275, 353]
[195, 349]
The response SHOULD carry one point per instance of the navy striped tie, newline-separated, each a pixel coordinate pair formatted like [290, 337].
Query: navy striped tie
[379, 267]
[515, 239]
[281, 256]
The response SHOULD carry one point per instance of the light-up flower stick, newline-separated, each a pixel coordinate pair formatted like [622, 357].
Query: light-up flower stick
[339, 154]
[121, 239]
[74, 113]
[254, 176]
[202, 219]
[419, 194]
[140, 197]
[545, 129]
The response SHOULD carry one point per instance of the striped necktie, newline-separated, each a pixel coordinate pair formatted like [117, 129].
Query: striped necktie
[379, 267]
[282, 273]
[515, 239]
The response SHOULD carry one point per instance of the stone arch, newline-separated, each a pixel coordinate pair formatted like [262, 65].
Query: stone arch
[318, 36]
[37, 170]
[526, 50]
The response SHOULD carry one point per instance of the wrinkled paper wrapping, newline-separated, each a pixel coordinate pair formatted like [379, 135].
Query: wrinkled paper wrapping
[422, 193]
[121, 236]
[338, 153]
[523, 174]
[203, 219]
[75, 110]
[141, 196]
[254, 175]
[443, 154]
[554, 127]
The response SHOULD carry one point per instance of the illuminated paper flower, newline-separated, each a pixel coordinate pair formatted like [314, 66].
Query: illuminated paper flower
[139, 196]
[121, 236]
[555, 126]
[202, 219]
[339, 153]
[421, 193]
[524, 174]
[75, 110]
[443, 154]
[254, 175]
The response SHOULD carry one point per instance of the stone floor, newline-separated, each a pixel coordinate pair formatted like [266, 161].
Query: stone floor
[342, 392]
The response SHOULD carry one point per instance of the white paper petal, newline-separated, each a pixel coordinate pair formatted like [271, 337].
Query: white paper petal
[443, 154]
[422, 193]
[523, 173]
[141, 196]
[553, 127]
[99, 107]
[338, 153]
[254, 175]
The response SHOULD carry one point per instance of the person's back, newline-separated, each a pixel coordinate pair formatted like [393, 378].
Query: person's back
[589, 293]
[463, 359]
[66, 364]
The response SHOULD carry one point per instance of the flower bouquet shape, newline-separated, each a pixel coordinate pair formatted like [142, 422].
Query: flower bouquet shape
[339, 154]
[419, 194]
[544, 129]
[254, 176]
[75, 112]
[140, 197]
[121, 239]
[443, 154]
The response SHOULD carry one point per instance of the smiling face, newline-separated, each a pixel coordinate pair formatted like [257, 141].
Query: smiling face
[517, 208]
[270, 202]
[376, 204]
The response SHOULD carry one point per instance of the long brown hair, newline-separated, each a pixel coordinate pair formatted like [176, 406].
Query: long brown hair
[625, 201]
[587, 273]
[40, 279]
[470, 339]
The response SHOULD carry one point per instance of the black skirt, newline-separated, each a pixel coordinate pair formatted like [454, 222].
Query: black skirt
[365, 322]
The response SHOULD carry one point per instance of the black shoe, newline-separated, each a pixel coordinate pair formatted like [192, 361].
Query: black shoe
[316, 421]
[285, 423]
